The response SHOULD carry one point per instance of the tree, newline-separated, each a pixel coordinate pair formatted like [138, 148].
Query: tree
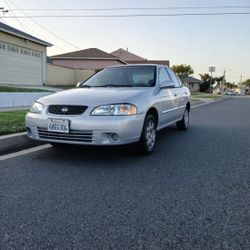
[218, 82]
[230, 85]
[219, 79]
[215, 81]
[205, 85]
[182, 70]
[247, 83]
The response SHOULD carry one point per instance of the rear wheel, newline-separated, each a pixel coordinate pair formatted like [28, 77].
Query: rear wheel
[183, 124]
[148, 136]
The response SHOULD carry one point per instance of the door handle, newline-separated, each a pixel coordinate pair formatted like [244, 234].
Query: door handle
[175, 95]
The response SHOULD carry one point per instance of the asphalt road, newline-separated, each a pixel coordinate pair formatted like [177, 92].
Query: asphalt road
[193, 192]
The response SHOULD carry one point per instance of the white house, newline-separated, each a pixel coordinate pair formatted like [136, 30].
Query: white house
[22, 57]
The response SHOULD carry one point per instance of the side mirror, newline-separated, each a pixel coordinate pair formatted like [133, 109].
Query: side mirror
[78, 84]
[166, 84]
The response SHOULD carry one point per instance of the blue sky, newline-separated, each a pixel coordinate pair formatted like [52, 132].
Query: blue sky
[201, 41]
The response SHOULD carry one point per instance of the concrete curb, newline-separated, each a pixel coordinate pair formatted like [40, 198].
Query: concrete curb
[202, 103]
[12, 142]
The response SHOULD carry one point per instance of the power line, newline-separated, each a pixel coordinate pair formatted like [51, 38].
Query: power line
[131, 15]
[25, 27]
[37, 23]
[140, 8]
[20, 23]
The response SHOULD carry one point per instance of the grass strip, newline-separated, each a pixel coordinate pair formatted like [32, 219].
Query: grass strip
[12, 121]
[17, 89]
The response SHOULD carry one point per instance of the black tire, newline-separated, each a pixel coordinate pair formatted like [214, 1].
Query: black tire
[148, 136]
[183, 124]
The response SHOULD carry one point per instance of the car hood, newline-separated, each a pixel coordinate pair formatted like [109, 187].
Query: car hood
[94, 96]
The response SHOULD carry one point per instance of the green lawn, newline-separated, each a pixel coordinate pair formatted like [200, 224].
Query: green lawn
[15, 89]
[204, 95]
[12, 121]
[195, 100]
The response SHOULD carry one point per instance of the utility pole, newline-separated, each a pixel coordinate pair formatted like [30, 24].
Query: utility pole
[224, 81]
[244, 89]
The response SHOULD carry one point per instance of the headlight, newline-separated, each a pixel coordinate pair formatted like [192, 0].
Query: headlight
[37, 108]
[115, 109]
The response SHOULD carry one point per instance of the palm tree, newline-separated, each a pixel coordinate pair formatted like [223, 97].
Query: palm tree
[218, 81]
[205, 85]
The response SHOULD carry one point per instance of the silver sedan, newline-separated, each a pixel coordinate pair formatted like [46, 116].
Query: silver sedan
[118, 105]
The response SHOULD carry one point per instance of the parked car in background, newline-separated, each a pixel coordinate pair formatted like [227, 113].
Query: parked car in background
[237, 92]
[230, 92]
[118, 105]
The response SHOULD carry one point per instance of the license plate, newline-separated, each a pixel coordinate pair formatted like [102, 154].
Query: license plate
[56, 125]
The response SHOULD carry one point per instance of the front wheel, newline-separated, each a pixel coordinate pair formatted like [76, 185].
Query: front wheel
[183, 124]
[148, 136]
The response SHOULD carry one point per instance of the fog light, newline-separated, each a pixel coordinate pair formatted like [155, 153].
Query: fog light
[29, 132]
[113, 137]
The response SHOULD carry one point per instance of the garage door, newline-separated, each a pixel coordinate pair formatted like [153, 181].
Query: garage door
[20, 65]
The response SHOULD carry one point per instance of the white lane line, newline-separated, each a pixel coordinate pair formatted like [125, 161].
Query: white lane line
[24, 152]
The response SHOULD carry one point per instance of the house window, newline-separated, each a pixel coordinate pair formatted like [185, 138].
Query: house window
[36, 54]
[2, 46]
[25, 52]
[12, 48]
[21, 50]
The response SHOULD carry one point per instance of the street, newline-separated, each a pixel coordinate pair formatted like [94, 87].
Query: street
[193, 192]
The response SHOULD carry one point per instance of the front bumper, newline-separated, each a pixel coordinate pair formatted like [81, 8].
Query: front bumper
[87, 130]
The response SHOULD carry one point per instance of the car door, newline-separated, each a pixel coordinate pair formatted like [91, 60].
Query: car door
[168, 99]
[180, 93]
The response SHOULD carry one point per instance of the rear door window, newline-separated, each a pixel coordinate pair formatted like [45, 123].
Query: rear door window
[163, 75]
[177, 83]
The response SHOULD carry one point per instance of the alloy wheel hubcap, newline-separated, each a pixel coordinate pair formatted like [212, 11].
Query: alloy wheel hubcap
[186, 118]
[150, 134]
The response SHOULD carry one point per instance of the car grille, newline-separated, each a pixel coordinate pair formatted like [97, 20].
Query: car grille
[73, 135]
[66, 109]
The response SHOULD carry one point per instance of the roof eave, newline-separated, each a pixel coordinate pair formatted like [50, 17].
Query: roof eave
[27, 38]
[83, 58]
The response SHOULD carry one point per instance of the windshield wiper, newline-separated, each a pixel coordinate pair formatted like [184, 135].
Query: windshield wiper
[85, 86]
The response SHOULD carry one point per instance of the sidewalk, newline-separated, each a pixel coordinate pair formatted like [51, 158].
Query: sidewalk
[21, 99]
[52, 89]
[3, 109]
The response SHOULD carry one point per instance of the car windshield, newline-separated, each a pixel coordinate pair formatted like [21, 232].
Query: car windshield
[131, 76]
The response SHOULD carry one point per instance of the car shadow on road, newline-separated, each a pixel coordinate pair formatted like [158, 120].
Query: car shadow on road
[123, 154]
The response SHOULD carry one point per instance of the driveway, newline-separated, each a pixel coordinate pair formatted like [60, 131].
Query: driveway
[193, 192]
